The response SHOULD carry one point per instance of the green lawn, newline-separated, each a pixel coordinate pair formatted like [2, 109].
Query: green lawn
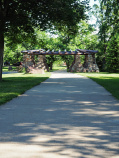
[6, 68]
[15, 84]
[109, 81]
[55, 68]
[14, 68]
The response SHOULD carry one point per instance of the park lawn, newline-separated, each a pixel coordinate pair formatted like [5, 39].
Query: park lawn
[6, 68]
[56, 68]
[110, 81]
[15, 84]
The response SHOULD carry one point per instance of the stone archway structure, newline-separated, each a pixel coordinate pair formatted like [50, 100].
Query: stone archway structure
[89, 64]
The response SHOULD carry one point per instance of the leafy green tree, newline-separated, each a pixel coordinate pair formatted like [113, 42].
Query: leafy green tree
[68, 59]
[18, 18]
[85, 39]
[112, 56]
[108, 31]
[13, 54]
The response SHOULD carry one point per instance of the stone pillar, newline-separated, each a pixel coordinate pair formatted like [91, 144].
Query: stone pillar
[94, 60]
[76, 65]
[28, 60]
[41, 64]
[85, 65]
[32, 67]
[88, 66]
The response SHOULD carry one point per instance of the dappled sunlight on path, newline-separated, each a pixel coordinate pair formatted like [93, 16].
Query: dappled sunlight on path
[67, 116]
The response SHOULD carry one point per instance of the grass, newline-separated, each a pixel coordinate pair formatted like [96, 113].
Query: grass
[6, 68]
[55, 68]
[110, 81]
[14, 68]
[15, 84]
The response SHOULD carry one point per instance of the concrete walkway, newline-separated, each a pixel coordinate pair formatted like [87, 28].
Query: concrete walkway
[67, 116]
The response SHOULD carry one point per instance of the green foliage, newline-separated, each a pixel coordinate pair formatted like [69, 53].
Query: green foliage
[84, 40]
[59, 62]
[13, 54]
[108, 35]
[19, 18]
[31, 14]
[112, 55]
[68, 59]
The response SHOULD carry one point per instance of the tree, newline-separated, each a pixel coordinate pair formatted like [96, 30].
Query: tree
[13, 54]
[108, 33]
[112, 56]
[19, 17]
[85, 39]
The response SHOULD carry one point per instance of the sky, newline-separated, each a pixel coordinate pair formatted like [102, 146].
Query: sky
[93, 19]
[92, 2]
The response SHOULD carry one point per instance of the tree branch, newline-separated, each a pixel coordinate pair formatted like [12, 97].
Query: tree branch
[6, 4]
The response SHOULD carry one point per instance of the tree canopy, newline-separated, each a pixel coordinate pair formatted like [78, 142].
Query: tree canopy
[19, 17]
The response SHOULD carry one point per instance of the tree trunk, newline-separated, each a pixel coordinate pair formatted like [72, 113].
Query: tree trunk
[1, 52]
[67, 65]
[51, 65]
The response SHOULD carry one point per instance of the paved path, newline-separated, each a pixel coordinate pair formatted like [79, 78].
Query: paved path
[67, 116]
